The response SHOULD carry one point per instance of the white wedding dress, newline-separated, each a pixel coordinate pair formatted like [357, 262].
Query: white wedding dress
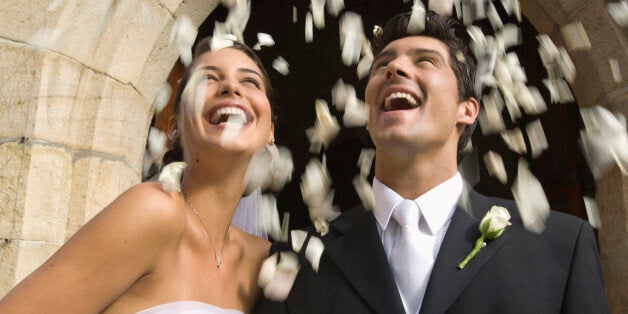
[188, 307]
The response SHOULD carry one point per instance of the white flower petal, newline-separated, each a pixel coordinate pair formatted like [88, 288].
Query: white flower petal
[495, 166]
[267, 271]
[170, 176]
[298, 238]
[314, 251]
[593, 214]
[281, 65]
[530, 198]
[280, 285]
[575, 36]
[536, 135]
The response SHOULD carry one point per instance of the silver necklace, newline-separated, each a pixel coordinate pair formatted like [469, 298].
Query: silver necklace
[217, 253]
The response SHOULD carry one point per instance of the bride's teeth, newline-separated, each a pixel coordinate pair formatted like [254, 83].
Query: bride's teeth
[397, 95]
[234, 115]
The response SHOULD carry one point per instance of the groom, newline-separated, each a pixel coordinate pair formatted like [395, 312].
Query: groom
[403, 256]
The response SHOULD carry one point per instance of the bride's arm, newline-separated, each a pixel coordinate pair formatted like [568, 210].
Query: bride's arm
[103, 258]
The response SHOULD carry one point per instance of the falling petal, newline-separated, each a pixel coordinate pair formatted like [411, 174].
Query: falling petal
[335, 6]
[232, 130]
[229, 4]
[514, 139]
[286, 272]
[575, 36]
[156, 143]
[493, 17]
[536, 135]
[257, 172]
[313, 252]
[298, 238]
[356, 111]
[604, 140]
[619, 12]
[530, 99]
[294, 15]
[269, 217]
[416, 24]
[510, 35]
[265, 40]
[365, 191]
[321, 226]
[351, 37]
[364, 66]
[615, 70]
[339, 95]
[44, 37]
[593, 214]
[162, 97]
[170, 176]
[237, 18]
[267, 271]
[495, 166]
[318, 13]
[490, 117]
[281, 65]
[530, 198]
[566, 66]
[325, 128]
[442, 7]
[182, 37]
[309, 28]
[281, 168]
[365, 161]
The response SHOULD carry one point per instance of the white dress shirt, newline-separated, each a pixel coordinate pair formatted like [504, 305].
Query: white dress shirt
[437, 207]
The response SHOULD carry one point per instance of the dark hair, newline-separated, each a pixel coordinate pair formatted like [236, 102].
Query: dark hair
[454, 35]
[175, 152]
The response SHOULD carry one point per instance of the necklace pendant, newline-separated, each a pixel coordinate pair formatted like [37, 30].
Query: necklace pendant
[218, 258]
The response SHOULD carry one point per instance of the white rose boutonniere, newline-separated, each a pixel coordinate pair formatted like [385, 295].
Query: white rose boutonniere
[492, 226]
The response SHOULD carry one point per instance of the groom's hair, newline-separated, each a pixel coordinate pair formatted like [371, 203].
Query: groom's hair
[454, 35]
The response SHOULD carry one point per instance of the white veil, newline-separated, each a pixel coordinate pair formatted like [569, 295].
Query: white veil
[248, 214]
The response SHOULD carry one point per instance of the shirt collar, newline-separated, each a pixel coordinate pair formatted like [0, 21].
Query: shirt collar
[437, 205]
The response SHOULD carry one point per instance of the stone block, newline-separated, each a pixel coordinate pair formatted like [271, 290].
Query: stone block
[46, 199]
[18, 21]
[14, 158]
[21, 258]
[17, 74]
[171, 5]
[124, 47]
[96, 181]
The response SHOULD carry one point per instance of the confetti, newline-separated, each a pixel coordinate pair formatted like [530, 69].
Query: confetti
[514, 140]
[297, 239]
[317, 194]
[335, 6]
[269, 217]
[495, 166]
[365, 161]
[490, 117]
[325, 128]
[614, 64]
[536, 135]
[530, 198]
[575, 36]
[281, 65]
[442, 7]
[162, 97]
[182, 37]
[313, 252]
[356, 111]
[318, 13]
[351, 37]
[604, 140]
[264, 39]
[282, 276]
[170, 176]
[416, 25]
[309, 28]
[619, 12]
[593, 214]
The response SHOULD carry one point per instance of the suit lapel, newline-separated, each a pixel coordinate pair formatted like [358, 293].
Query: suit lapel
[359, 254]
[447, 282]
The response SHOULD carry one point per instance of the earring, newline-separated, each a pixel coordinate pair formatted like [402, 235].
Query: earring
[272, 141]
[172, 134]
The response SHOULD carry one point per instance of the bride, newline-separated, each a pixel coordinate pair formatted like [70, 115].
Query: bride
[156, 249]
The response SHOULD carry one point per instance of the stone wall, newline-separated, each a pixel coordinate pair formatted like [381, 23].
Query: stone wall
[78, 79]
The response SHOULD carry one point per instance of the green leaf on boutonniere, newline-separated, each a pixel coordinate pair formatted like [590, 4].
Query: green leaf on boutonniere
[491, 227]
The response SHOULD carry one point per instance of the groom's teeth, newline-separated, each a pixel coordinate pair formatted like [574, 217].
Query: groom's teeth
[230, 115]
[400, 95]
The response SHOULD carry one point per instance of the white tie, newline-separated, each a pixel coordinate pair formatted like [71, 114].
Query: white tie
[411, 257]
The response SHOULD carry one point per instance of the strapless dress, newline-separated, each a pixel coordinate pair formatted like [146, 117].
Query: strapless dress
[188, 307]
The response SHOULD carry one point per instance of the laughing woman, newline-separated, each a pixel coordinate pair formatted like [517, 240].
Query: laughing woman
[156, 250]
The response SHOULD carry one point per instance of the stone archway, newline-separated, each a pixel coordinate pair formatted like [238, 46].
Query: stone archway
[75, 106]
[74, 114]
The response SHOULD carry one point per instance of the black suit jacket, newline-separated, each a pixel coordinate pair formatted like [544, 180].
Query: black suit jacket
[557, 271]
